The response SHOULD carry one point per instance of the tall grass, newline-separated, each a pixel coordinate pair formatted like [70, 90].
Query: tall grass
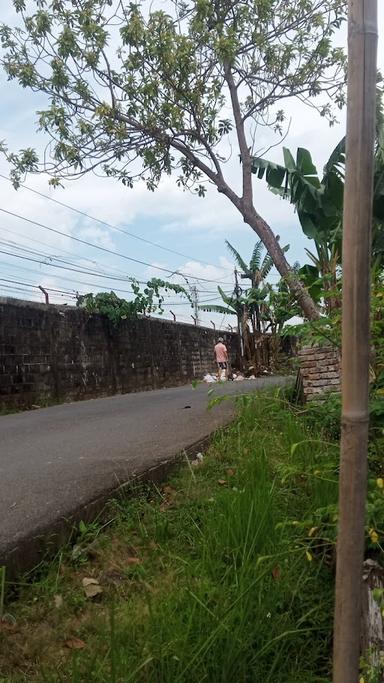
[237, 597]
[228, 592]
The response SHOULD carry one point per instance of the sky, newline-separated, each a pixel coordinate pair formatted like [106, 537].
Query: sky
[159, 224]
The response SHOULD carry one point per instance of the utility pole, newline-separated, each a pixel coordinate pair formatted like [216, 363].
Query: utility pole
[195, 301]
[357, 220]
[239, 319]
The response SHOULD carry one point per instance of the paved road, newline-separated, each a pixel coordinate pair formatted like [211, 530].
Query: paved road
[55, 460]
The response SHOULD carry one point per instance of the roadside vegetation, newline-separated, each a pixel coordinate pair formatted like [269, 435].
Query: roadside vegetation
[224, 573]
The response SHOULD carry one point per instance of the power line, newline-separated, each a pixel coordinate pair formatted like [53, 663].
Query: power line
[59, 249]
[62, 277]
[188, 303]
[55, 265]
[113, 227]
[105, 249]
[63, 293]
[43, 261]
[124, 291]
[30, 284]
[16, 289]
[44, 257]
[72, 293]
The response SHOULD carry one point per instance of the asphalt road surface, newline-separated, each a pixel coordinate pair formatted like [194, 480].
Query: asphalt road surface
[54, 461]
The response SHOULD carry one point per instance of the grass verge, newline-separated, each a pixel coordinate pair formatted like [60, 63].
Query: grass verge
[218, 576]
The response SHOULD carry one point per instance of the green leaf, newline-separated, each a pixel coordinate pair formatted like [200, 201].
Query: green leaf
[288, 160]
[217, 309]
[240, 262]
[304, 162]
[256, 257]
[310, 229]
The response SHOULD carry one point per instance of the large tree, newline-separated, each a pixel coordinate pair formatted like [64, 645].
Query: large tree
[138, 92]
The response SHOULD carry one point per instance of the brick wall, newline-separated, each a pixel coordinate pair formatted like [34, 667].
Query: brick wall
[319, 370]
[52, 353]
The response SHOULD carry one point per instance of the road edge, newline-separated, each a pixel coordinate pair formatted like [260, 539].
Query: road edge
[40, 546]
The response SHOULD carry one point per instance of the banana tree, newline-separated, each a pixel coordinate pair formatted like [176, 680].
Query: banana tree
[256, 271]
[319, 205]
[277, 309]
[243, 306]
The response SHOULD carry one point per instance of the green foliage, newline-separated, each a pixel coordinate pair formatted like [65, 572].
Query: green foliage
[319, 206]
[278, 308]
[233, 571]
[319, 202]
[149, 300]
[326, 415]
[225, 589]
[327, 330]
[261, 303]
[142, 93]
[139, 92]
[258, 267]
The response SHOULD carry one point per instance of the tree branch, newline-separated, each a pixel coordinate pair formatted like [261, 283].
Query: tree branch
[245, 154]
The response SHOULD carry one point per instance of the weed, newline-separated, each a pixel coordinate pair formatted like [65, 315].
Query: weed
[213, 577]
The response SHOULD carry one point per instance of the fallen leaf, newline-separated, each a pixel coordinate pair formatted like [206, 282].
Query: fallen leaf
[309, 556]
[222, 482]
[133, 560]
[169, 491]
[312, 531]
[91, 587]
[373, 536]
[75, 644]
[230, 472]
[58, 601]
[276, 572]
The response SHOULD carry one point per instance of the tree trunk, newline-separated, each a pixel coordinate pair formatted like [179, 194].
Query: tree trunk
[264, 232]
[372, 626]
[250, 216]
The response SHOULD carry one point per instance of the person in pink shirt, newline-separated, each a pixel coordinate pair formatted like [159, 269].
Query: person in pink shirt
[221, 355]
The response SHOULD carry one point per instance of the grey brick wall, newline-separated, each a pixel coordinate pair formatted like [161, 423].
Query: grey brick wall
[52, 353]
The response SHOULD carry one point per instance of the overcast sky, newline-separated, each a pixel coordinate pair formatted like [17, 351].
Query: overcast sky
[174, 219]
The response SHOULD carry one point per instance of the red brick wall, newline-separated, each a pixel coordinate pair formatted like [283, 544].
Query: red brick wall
[320, 370]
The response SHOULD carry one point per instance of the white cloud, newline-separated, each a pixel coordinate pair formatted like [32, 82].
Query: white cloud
[97, 236]
[206, 221]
